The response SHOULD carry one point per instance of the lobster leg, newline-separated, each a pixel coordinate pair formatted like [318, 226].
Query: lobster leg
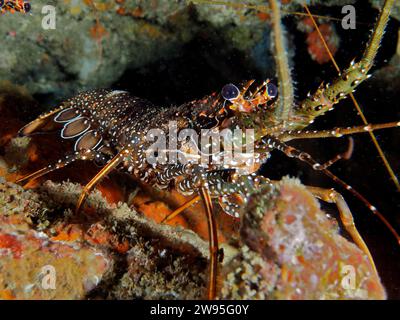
[273, 143]
[170, 172]
[218, 186]
[79, 155]
[332, 196]
[221, 184]
[202, 182]
[341, 156]
[100, 175]
[199, 181]
[180, 209]
[327, 195]
[213, 241]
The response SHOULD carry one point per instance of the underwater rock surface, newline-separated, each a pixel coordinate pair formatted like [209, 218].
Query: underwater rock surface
[94, 42]
[289, 250]
[292, 250]
[34, 265]
[118, 255]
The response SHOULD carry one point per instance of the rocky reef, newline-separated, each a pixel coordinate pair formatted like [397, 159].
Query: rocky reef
[288, 249]
[292, 250]
[95, 42]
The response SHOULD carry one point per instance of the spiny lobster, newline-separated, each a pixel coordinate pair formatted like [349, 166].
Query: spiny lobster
[111, 128]
[15, 6]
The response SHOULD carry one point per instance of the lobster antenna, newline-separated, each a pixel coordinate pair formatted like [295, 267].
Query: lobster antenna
[374, 47]
[261, 8]
[286, 99]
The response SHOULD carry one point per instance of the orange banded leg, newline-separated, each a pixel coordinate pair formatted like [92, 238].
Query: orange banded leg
[180, 209]
[273, 143]
[213, 243]
[345, 156]
[212, 228]
[228, 187]
[170, 172]
[79, 155]
[97, 178]
[332, 196]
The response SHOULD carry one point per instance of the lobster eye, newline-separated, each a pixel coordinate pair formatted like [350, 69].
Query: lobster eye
[27, 6]
[272, 90]
[230, 92]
